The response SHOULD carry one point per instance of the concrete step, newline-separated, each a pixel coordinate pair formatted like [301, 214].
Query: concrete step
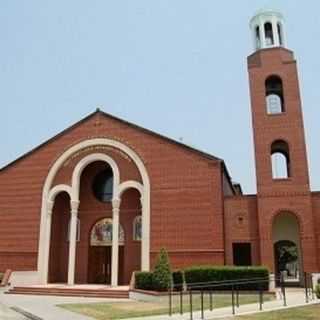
[76, 292]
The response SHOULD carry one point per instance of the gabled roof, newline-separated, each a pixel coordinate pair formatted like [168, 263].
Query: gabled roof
[147, 131]
[104, 114]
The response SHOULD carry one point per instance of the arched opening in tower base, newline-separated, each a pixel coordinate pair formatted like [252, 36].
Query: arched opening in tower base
[287, 249]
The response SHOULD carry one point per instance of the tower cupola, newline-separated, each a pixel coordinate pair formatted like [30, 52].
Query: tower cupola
[267, 28]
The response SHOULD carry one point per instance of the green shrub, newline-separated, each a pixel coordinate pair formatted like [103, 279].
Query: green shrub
[317, 291]
[203, 274]
[144, 280]
[178, 280]
[162, 273]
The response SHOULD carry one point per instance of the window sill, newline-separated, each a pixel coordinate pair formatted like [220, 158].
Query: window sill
[281, 179]
[276, 114]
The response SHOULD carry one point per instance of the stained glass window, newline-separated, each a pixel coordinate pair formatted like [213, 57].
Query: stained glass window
[101, 234]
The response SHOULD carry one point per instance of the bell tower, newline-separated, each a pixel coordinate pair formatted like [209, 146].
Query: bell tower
[279, 140]
[280, 150]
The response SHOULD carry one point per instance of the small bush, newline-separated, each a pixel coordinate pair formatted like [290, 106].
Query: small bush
[178, 280]
[203, 274]
[317, 291]
[162, 273]
[144, 280]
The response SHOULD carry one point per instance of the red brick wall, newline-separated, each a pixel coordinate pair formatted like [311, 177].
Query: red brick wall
[241, 225]
[316, 217]
[287, 126]
[186, 195]
[292, 194]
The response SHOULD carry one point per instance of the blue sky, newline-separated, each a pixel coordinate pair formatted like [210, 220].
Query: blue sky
[177, 67]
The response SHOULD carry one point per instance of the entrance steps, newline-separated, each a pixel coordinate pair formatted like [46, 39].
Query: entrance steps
[73, 291]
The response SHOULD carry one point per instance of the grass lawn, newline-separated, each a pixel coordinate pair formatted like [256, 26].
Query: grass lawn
[121, 310]
[303, 313]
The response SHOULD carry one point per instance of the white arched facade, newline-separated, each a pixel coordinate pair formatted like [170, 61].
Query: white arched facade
[49, 193]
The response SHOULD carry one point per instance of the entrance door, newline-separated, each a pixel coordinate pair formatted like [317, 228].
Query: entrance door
[99, 264]
[99, 270]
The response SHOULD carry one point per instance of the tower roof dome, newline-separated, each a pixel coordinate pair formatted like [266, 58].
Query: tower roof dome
[267, 26]
[266, 13]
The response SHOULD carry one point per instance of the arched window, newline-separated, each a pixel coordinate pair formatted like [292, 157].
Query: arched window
[257, 37]
[280, 160]
[103, 185]
[137, 228]
[274, 95]
[268, 34]
[279, 29]
[78, 230]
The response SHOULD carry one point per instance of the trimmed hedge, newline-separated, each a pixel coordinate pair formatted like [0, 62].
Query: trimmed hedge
[144, 280]
[178, 280]
[203, 274]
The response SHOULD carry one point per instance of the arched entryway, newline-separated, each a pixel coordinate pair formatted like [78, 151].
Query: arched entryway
[287, 247]
[72, 187]
[59, 242]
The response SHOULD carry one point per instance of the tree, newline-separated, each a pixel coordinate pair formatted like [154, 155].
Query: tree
[162, 272]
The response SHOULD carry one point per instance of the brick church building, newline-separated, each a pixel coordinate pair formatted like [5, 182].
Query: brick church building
[99, 200]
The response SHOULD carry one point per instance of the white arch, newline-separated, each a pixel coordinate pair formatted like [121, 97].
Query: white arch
[131, 184]
[85, 162]
[44, 237]
[57, 189]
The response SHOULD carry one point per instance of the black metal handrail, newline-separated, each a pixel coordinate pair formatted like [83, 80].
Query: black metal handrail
[235, 288]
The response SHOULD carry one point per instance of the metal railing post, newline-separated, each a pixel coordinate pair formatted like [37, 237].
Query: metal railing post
[201, 297]
[232, 296]
[306, 287]
[181, 302]
[170, 302]
[237, 296]
[283, 289]
[191, 311]
[211, 300]
[260, 297]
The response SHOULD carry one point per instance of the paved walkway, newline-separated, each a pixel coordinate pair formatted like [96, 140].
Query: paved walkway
[7, 314]
[45, 307]
[295, 298]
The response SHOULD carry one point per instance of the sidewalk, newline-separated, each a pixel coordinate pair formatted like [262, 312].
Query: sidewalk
[294, 299]
[44, 307]
[8, 314]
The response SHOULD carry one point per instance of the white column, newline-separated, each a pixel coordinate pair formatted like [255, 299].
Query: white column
[283, 34]
[262, 34]
[145, 241]
[275, 32]
[115, 242]
[50, 205]
[72, 241]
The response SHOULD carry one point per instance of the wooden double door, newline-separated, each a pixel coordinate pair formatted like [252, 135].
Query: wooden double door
[99, 264]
